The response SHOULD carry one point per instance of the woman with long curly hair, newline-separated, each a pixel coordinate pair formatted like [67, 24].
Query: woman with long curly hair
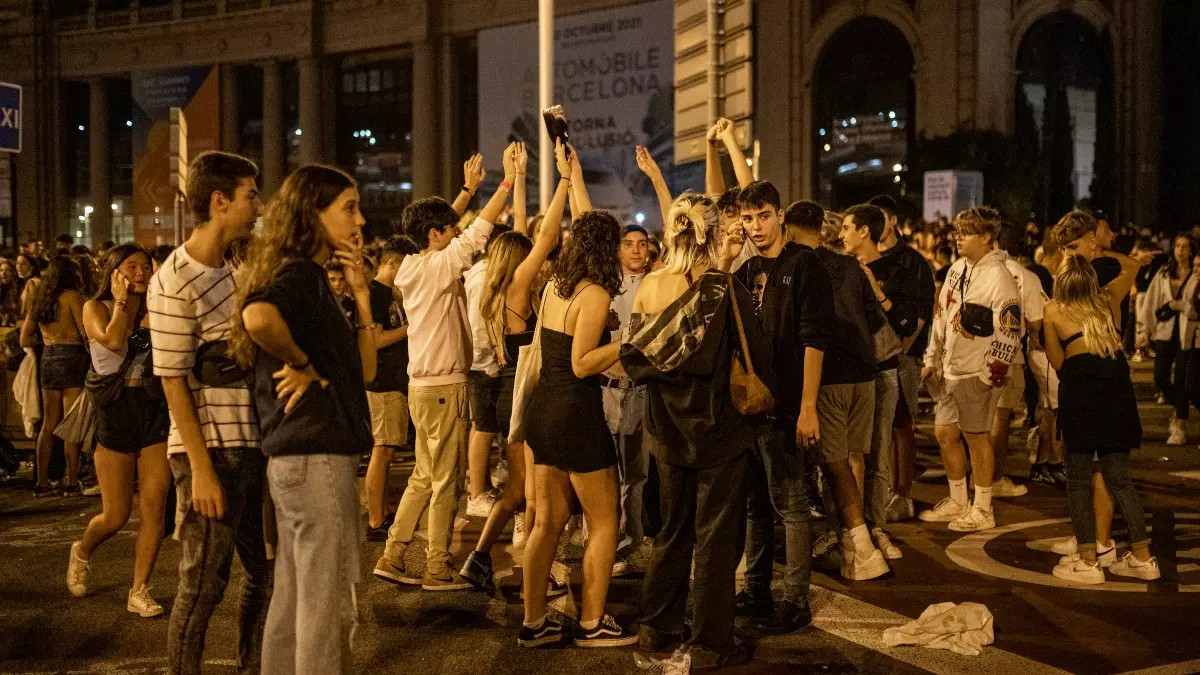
[310, 373]
[573, 451]
[1098, 417]
[131, 428]
[508, 309]
[56, 309]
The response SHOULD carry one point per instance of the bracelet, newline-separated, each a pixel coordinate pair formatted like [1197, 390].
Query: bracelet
[507, 186]
[302, 366]
[120, 303]
[466, 189]
[369, 326]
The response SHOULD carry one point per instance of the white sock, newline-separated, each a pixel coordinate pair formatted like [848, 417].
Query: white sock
[861, 538]
[536, 624]
[589, 625]
[958, 490]
[983, 497]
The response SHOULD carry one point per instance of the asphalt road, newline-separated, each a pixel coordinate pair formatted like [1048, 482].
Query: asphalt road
[1041, 625]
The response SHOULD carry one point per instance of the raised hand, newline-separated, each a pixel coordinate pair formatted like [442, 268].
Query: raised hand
[565, 164]
[726, 130]
[520, 159]
[350, 254]
[509, 161]
[473, 172]
[120, 286]
[647, 164]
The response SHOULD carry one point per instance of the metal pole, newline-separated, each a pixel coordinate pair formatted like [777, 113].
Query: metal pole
[545, 95]
[178, 219]
[714, 63]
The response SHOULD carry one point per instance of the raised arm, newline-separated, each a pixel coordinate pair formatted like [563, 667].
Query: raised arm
[578, 186]
[1119, 287]
[473, 174]
[112, 329]
[520, 162]
[649, 167]
[496, 204]
[550, 231]
[741, 169]
[714, 179]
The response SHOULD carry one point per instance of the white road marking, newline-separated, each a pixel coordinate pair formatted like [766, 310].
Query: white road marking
[1181, 668]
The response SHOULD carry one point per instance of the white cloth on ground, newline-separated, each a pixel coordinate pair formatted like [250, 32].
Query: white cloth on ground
[963, 629]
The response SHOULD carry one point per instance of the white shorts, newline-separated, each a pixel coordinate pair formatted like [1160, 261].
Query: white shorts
[968, 403]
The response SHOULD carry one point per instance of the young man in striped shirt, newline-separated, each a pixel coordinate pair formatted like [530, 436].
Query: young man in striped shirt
[214, 441]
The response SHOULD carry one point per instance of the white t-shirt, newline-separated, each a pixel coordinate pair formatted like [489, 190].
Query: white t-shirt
[190, 305]
[1033, 298]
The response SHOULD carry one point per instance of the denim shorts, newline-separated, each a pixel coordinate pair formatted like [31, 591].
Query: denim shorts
[64, 367]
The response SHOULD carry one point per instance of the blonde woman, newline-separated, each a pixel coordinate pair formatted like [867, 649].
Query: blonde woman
[1097, 416]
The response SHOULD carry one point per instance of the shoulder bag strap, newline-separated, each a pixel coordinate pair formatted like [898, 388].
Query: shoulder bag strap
[741, 329]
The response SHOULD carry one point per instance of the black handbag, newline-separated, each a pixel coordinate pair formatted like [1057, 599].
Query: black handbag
[216, 367]
[106, 389]
[1165, 312]
[976, 319]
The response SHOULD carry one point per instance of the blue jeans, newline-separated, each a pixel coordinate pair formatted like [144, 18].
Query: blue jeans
[313, 612]
[208, 546]
[1114, 466]
[775, 484]
[881, 464]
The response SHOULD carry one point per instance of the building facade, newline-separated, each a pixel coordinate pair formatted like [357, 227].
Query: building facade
[388, 90]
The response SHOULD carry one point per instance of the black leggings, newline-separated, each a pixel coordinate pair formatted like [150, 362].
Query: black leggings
[1177, 375]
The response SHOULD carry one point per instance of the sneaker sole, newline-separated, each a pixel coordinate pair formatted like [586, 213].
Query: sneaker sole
[1136, 575]
[962, 528]
[396, 578]
[145, 615]
[1077, 580]
[538, 642]
[938, 519]
[446, 587]
[606, 642]
[870, 572]
[1020, 491]
[892, 556]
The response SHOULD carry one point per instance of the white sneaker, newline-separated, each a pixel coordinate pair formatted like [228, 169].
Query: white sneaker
[1129, 566]
[899, 508]
[1074, 568]
[1032, 440]
[1004, 487]
[1177, 434]
[973, 521]
[578, 527]
[1067, 547]
[519, 535]
[77, 572]
[1161, 400]
[884, 543]
[481, 506]
[945, 511]
[826, 541]
[93, 491]
[861, 568]
[142, 604]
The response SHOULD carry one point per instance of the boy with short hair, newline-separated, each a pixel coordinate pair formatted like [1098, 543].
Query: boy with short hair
[439, 338]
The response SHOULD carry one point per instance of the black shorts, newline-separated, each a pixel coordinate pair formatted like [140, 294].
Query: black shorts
[483, 393]
[134, 421]
[64, 367]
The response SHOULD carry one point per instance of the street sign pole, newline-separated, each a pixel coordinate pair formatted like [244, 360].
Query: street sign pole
[179, 168]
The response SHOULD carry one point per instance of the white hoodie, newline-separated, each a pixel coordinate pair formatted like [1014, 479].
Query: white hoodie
[956, 355]
[483, 357]
[439, 333]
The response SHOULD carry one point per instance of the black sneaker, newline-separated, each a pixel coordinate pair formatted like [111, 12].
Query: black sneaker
[704, 658]
[46, 490]
[758, 608]
[551, 632]
[478, 570]
[607, 633]
[1040, 474]
[380, 533]
[789, 617]
[72, 490]
[1058, 473]
[554, 588]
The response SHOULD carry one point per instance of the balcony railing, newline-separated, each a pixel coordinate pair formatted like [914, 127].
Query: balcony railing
[71, 15]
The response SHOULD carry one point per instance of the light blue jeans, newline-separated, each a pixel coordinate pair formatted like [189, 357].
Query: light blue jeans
[313, 614]
[881, 465]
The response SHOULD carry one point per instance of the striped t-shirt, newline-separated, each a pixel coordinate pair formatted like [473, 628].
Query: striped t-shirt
[191, 304]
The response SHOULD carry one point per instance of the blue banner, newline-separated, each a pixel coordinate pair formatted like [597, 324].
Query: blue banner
[10, 117]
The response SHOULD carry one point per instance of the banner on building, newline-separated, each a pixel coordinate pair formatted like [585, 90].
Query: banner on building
[196, 91]
[10, 117]
[948, 192]
[613, 75]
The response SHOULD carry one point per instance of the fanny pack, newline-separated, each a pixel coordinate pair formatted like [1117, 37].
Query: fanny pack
[1165, 312]
[216, 367]
[976, 319]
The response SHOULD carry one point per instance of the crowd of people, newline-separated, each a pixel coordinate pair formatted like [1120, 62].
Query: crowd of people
[762, 362]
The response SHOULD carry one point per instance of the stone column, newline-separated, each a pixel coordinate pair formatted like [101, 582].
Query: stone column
[425, 125]
[310, 109]
[272, 129]
[230, 127]
[98, 157]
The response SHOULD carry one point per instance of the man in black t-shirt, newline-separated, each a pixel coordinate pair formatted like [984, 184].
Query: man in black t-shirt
[387, 393]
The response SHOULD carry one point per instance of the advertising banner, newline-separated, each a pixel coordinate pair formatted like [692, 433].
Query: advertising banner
[613, 75]
[197, 92]
[10, 117]
[948, 192]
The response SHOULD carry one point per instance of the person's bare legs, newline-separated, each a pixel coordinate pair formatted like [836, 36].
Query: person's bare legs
[553, 488]
[858, 470]
[510, 499]
[154, 479]
[1102, 507]
[531, 496]
[51, 416]
[375, 484]
[114, 471]
[597, 492]
[71, 449]
[845, 492]
[999, 440]
[1046, 445]
[479, 449]
[954, 457]
[982, 462]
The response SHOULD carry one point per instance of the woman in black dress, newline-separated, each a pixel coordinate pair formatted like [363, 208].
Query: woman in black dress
[1098, 417]
[573, 452]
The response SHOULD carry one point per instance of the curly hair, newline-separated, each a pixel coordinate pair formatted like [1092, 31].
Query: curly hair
[590, 254]
[60, 276]
[291, 231]
[1073, 226]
